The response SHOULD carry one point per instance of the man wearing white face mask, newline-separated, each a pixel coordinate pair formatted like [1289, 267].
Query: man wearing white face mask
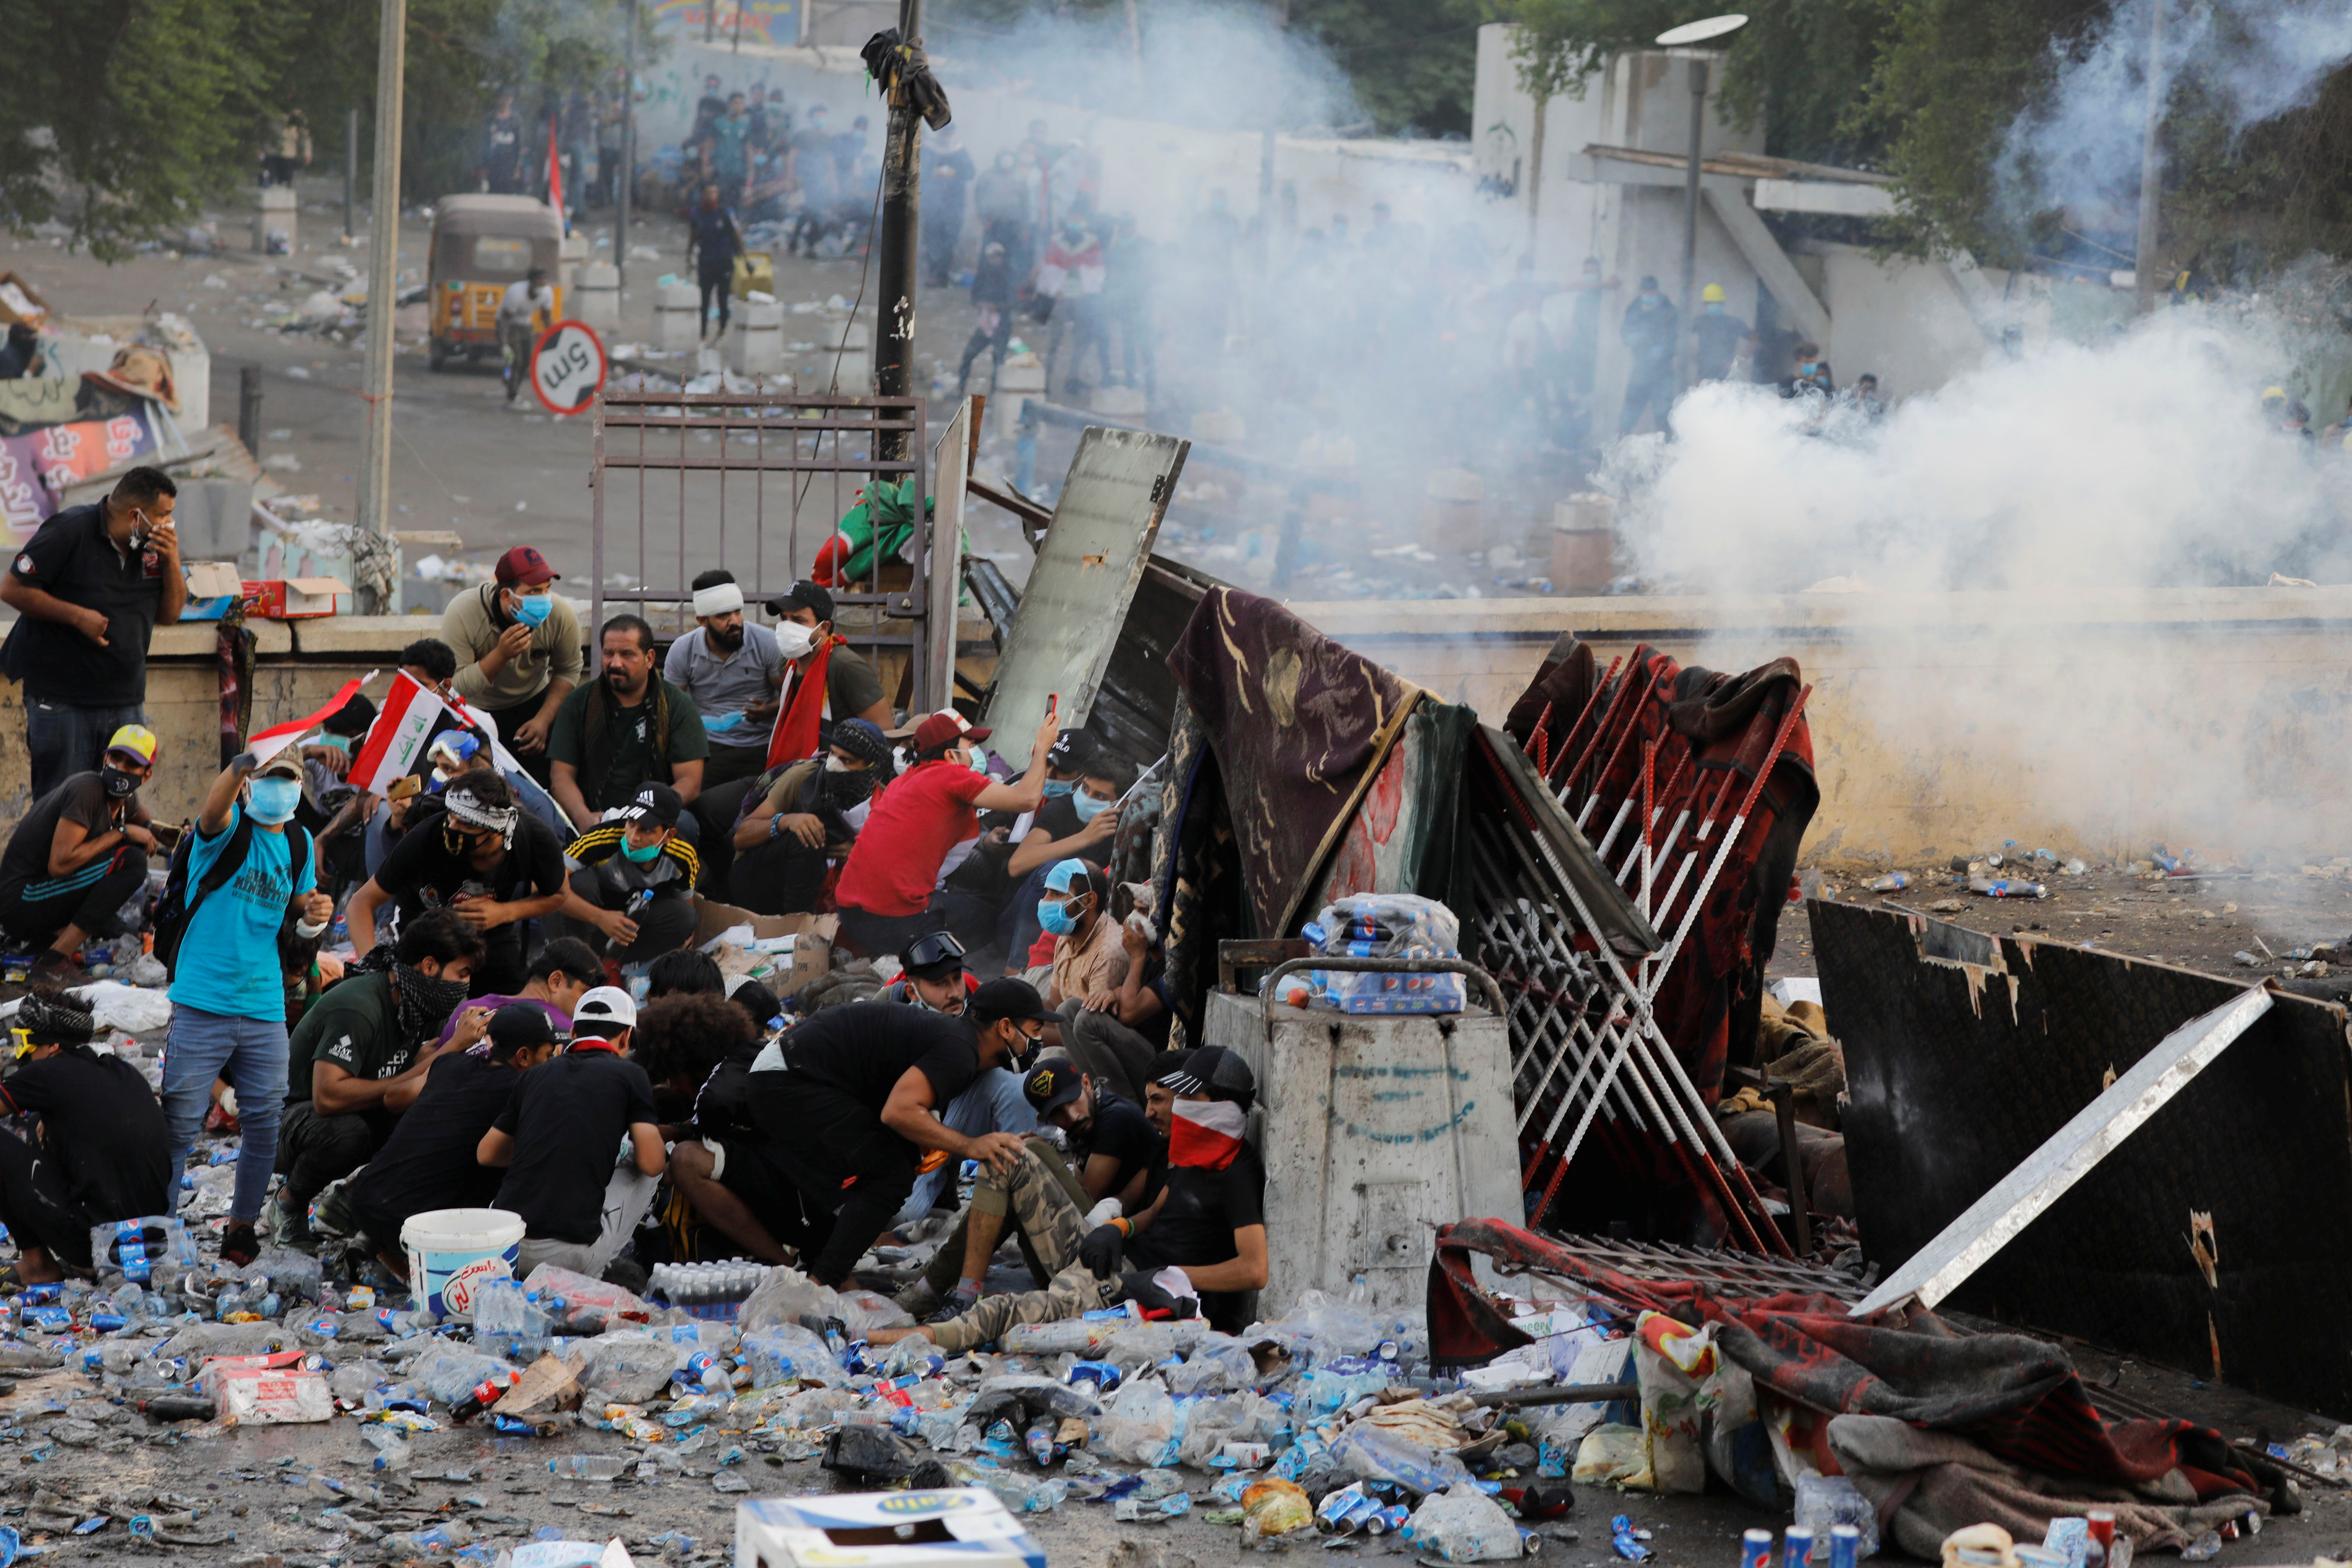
[519, 652]
[801, 817]
[824, 679]
[246, 872]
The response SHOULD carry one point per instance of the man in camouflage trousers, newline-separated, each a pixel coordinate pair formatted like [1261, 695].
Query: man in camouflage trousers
[1043, 1210]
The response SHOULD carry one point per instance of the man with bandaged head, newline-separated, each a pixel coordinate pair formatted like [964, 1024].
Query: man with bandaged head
[731, 668]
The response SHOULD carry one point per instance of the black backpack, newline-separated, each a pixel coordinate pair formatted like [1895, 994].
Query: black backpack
[176, 902]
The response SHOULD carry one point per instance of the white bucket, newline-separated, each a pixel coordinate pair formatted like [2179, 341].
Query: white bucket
[452, 1253]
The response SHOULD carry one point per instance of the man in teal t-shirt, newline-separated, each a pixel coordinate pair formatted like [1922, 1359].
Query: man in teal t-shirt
[228, 992]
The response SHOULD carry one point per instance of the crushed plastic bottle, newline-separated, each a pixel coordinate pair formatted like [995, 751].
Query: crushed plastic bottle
[1893, 883]
[1462, 1525]
[392, 1450]
[2007, 887]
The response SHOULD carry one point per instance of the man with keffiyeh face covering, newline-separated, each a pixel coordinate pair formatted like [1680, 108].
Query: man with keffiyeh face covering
[359, 1058]
[102, 1154]
[1204, 1237]
[471, 850]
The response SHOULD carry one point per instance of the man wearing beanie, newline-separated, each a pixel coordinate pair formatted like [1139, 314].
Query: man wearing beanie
[103, 1154]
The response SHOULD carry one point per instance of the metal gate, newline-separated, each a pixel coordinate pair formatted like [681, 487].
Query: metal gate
[761, 479]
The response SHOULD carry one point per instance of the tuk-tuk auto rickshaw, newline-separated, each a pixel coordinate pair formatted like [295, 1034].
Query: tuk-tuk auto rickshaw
[481, 244]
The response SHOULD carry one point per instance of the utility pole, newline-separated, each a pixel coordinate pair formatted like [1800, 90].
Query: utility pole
[628, 149]
[350, 170]
[1685, 351]
[383, 272]
[2151, 168]
[902, 191]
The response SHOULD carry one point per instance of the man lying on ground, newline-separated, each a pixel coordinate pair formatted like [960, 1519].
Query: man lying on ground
[1207, 1228]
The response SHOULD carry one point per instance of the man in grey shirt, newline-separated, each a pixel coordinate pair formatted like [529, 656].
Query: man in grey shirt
[732, 671]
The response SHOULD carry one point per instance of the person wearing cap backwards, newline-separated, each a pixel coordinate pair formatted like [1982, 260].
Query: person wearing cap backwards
[359, 1056]
[428, 1163]
[632, 898]
[823, 678]
[102, 1154]
[630, 728]
[564, 1131]
[479, 855]
[247, 874]
[1115, 1153]
[1208, 1223]
[801, 818]
[80, 855]
[887, 885]
[89, 588]
[731, 668]
[931, 976]
[520, 653]
[850, 1100]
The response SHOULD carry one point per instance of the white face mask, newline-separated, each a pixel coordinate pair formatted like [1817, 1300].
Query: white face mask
[794, 640]
[855, 815]
[834, 764]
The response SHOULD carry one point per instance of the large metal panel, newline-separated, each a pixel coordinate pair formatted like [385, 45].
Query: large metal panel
[1118, 487]
[2203, 1241]
[1374, 1131]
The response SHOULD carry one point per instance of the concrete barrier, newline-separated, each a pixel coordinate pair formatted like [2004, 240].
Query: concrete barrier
[1944, 723]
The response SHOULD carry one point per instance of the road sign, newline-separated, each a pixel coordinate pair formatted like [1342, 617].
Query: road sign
[567, 367]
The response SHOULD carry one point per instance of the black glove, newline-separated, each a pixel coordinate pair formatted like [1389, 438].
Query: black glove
[1101, 1250]
[1136, 1286]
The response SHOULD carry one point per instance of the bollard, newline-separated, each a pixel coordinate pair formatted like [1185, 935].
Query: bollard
[248, 408]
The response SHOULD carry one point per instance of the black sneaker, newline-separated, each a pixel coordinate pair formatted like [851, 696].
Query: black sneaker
[50, 964]
[953, 1305]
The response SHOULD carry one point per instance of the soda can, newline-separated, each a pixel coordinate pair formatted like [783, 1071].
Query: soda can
[1756, 1549]
[1845, 1546]
[1797, 1548]
[1390, 1520]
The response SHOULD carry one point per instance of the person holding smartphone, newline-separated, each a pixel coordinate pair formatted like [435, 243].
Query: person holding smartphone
[89, 589]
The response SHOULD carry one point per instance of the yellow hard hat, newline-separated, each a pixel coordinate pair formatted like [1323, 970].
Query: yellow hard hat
[1712, 294]
[136, 739]
[2274, 395]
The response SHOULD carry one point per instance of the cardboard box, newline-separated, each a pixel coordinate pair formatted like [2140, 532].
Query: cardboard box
[811, 954]
[213, 579]
[264, 1396]
[964, 1527]
[296, 598]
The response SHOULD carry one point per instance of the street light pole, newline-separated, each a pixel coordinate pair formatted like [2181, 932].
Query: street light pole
[374, 509]
[628, 149]
[1681, 37]
[902, 191]
[2151, 168]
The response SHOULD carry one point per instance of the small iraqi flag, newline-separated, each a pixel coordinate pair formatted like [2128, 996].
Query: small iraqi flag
[1205, 1133]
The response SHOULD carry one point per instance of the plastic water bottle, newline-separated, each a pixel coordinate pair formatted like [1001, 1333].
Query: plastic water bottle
[392, 1451]
[1893, 883]
[590, 1467]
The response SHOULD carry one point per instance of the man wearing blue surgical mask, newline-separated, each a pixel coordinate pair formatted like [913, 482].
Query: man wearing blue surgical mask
[520, 653]
[1083, 783]
[247, 872]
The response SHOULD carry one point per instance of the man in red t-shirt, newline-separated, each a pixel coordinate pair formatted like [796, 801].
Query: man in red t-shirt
[888, 888]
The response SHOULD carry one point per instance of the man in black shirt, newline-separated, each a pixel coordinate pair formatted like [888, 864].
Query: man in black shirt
[479, 855]
[89, 589]
[428, 1162]
[562, 1135]
[80, 854]
[103, 1154]
[852, 1095]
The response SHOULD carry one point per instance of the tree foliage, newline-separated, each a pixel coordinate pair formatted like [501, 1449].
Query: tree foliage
[140, 111]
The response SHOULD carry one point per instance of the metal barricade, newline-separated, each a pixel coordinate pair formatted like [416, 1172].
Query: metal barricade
[762, 480]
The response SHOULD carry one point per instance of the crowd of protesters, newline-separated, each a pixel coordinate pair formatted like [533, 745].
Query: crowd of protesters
[527, 1015]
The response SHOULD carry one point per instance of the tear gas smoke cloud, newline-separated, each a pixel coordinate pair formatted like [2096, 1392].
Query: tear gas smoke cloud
[2080, 149]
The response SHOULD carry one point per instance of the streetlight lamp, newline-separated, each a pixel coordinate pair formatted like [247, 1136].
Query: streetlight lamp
[1682, 39]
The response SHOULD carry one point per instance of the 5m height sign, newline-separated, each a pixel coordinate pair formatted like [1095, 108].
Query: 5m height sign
[567, 368]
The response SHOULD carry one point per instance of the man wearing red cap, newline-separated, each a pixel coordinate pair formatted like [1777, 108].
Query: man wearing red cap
[888, 886]
[518, 652]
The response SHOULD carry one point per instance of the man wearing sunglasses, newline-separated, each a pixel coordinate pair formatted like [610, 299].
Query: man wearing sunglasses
[933, 978]
[850, 1102]
[89, 589]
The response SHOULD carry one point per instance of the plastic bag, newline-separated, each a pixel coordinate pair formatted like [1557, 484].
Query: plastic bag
[586, 1304]
[785, 1296]
[505, 1319]
[1273, 1507]
[449, 1373]
[862, 1310]
[1330, 1328]
[1463, 1525]
[1826, 1501]
[1218, 1365]
[1610, 1454]
[1380, 1456]
[787, 1352]
[628, 1368]
[1141, 1426]
[352, 1381]
[126, 1007]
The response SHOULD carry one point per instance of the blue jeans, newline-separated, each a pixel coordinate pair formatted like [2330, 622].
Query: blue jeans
[251, 1054]
[993, 1104]
[62, 739]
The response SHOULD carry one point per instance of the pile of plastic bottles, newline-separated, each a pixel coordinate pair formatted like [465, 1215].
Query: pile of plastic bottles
[1389, 926]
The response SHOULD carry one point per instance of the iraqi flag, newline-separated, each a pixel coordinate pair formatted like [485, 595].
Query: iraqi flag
[267, 744]
[1205, 1133]
[403, 726]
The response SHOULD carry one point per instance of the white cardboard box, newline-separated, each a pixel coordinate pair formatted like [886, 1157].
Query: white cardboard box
[965, 1527]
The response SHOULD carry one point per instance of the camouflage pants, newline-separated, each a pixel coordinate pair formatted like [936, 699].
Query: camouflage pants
[1055, 1225]
[989, 1194]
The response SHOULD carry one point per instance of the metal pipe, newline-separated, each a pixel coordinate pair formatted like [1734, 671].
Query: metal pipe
[897, 277]
[2151, 168]
[1684, 351]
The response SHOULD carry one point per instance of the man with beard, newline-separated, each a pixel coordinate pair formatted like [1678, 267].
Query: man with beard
[632, 728]
[1115, 1151]
[359, 1058]
[732, 670]
[802, 818]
